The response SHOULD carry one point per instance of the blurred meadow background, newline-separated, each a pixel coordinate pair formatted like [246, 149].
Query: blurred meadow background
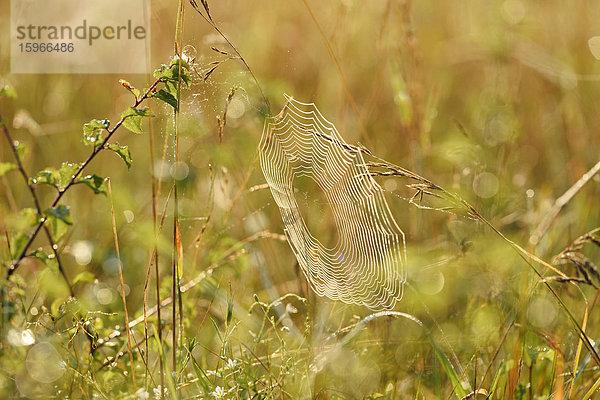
[495, 101]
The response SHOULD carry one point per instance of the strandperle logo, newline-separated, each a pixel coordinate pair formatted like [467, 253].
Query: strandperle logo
[83, 31]
[74, 36]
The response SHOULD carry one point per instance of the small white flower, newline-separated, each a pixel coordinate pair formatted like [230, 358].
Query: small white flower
[230, 364]
[156, 392]
[218, 393]
[142, 394]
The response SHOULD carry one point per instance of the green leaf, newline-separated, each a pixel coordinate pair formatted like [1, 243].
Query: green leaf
[6, 167]
[217, 329]
[143, 112]
[22, 149]
[18, 244]
[8, 91]
[170, 76]
[49, 176]
[59, 219]
[450, 371]
[167, 98]
[92, 132]
[40, 255]
[171, 73]
[520, 392]
[61, 212]
[134, 124]
[495, 380]
[163, 73]
[66, 172]
[171, 87]
[200, 374]
[229, 311]
[122, 151]
[133, 119]
[94, 182]
[84, 276]
[185, 70]
[28, 217]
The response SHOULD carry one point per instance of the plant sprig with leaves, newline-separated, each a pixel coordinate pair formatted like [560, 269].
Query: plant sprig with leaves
[56, 219]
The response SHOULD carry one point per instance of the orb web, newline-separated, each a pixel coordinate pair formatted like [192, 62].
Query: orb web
[366, 265]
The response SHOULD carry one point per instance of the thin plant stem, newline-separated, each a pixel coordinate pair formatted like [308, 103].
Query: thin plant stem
[121, 281]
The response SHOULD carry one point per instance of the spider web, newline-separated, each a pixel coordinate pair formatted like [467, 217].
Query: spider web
[366, 265]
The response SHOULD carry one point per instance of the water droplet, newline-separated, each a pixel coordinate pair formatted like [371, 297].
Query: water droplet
[179, 170]
[485, 185]
[129, 216]
[44, 363]
[594, 45]
[82, 251]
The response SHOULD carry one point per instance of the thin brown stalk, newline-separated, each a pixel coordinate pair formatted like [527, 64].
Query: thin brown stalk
[154, 259]
[148, 271]
[114, 225]
[176, 238]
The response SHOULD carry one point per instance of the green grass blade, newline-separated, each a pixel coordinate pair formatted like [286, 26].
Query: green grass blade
[450, 371]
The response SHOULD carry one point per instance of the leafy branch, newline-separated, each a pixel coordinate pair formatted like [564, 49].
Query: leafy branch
[96, 133]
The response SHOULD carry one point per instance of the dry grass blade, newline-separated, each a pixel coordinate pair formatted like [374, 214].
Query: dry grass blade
[562, 201]
[213, 48]
[573, 254]
[222, 120]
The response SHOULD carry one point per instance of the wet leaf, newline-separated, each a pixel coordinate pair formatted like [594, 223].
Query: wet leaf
[59, 219]
[94, 182]
[49, 176]
[167, 98]
[92, 132]
[122, 151]
[133, 118]
[84, 276]
[66, 172]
